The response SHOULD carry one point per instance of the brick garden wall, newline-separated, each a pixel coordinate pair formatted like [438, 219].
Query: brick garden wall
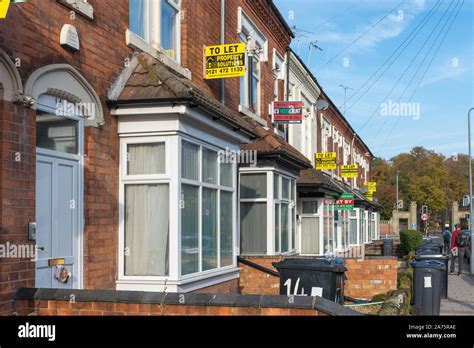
[49, 302]
[366, 278]
[229, 287]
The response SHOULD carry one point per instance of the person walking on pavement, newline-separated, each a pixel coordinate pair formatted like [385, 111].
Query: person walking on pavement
[446, 235]
[458, 245]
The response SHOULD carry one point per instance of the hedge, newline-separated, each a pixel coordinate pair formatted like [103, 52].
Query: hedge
[409, 240]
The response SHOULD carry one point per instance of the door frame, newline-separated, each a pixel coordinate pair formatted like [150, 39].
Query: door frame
[79, 249]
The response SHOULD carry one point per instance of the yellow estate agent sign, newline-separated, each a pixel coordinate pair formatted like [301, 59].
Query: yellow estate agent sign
[224, 61]
[350, 171]
[4, 4]
[325, 160]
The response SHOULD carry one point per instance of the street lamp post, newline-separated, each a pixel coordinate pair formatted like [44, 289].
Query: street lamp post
[397, 189]
[470, 185]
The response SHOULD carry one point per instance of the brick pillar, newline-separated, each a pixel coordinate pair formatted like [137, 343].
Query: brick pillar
[454, 214]
[412, 219]
[395, 223]
[17, 195]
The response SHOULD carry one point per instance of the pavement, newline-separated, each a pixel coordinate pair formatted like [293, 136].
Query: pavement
[460, 299]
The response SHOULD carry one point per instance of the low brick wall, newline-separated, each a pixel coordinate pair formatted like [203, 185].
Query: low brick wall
[254, 281]
[365, 277]
[229, 287]
[62, 302]
[369, 277]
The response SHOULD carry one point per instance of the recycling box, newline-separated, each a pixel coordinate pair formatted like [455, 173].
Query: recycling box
[312, 277]
[428, 276]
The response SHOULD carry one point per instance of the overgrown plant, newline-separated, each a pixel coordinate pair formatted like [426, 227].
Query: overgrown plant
[409, 240]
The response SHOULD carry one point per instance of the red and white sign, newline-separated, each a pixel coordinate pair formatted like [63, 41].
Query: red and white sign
[424, 217]
[287, 112]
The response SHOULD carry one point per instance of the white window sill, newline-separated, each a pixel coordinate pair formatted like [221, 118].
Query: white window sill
[82, 7]
[137, 43]
[247, 112]
[167, 285]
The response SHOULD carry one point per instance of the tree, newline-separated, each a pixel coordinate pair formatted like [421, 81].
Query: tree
[425, 177]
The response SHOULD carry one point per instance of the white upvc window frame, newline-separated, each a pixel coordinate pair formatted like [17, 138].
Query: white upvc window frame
[219, 188]
[152, 179]
[172, 177]
[256, 46]
[356, 218]
[328, 213]
[271, 201]
[374, 219]
[152, 10]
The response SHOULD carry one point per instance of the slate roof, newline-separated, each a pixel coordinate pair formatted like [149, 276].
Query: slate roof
[153, 82]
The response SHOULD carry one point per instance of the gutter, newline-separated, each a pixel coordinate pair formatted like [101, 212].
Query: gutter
[191, 102]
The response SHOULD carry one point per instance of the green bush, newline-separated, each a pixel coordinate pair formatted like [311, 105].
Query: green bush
[409, 240]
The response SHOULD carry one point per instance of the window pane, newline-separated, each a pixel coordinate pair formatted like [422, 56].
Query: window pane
[56, 133]
[253, 228]
[277, 228]
[226, 215]
[285, 228]
[227, 174]
[146, 230]
[190, 230]
[209, 229]
[293, 190]
[136, 17]
[253, 186]
[209, 166]
[168, 29]
[190, 161]
[146, 159]
[276, 186]
[353, 231]
[310, 207]
[293, 228]
[285, 183]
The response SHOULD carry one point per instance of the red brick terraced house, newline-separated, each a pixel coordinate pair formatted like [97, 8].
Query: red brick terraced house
[110, 137]
[118, 165]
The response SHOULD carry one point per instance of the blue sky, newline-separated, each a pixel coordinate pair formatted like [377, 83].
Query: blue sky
[445, 93]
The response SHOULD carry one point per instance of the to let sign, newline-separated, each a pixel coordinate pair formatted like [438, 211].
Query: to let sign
[371, 187]
[350, 171]
[345, 202]
[225, 61]
[287, 112]
[325, 160]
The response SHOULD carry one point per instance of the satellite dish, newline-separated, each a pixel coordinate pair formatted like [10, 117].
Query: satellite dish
[321, 104]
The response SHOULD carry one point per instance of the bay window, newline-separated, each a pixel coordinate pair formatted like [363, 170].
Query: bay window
[267, 212]
[157, 23]
[178, 213]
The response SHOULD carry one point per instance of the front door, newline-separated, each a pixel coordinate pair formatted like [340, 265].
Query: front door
[310, 228]
[58, 198]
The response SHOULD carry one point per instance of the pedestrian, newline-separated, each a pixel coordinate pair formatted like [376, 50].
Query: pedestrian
[446, 235]
[459, 241]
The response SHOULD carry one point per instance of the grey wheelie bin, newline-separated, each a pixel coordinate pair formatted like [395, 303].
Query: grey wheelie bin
[428, 276]
[387, 247]
[312, 277]
[427, 256]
